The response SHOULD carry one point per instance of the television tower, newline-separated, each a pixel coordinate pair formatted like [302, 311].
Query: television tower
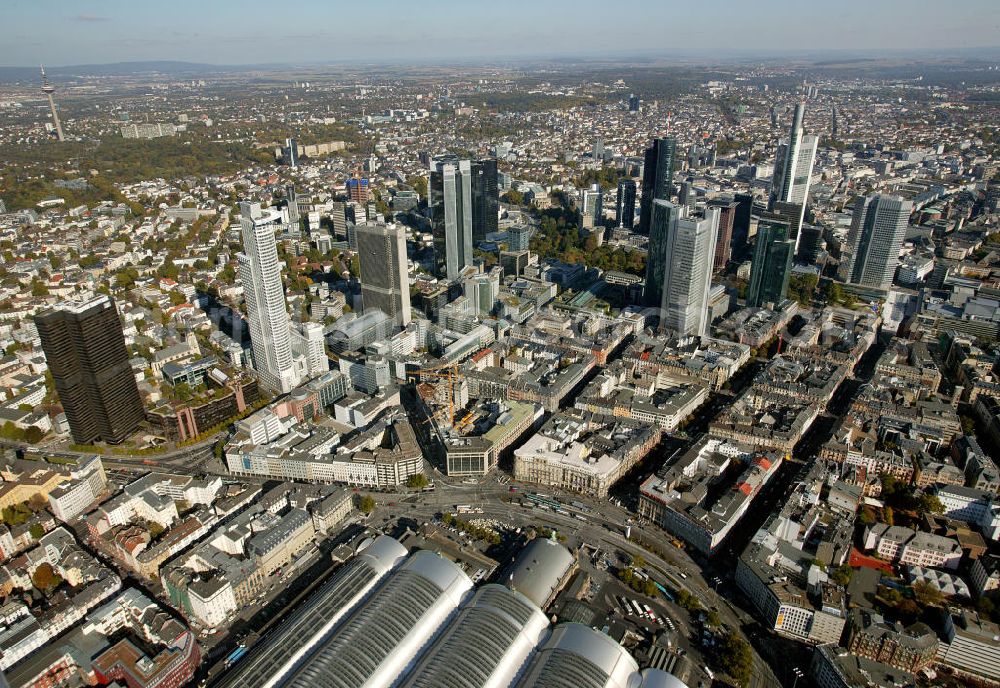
[48, 89]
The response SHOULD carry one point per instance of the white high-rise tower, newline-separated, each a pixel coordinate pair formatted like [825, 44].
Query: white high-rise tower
[689, 252]
[793, 168]
[267, 312]
[878, 228]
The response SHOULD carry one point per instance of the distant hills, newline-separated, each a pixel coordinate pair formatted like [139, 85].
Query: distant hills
[165, 67]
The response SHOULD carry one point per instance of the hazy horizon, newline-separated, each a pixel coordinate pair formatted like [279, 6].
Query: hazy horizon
[303, 32]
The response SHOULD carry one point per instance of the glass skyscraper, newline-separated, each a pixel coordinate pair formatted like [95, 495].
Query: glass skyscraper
[771, 268]
[878, 228]
[657, 178]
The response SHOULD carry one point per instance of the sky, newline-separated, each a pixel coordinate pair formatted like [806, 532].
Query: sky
[71, 32]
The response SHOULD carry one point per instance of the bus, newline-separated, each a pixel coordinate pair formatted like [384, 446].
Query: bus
[637, 608]
[463, 508]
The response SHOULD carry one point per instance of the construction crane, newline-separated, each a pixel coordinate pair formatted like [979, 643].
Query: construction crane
[449, 372]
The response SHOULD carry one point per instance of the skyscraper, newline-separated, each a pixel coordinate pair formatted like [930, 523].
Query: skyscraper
[877, 231]
[684, 195]
[450, 193]
[633, 103]
[85, 350]
[384, 278]
[291, 153]
[485, 199]
[625, 207]
[357, 190]
[657, 178]
[267, 312]
[727, 216]
[597, 153]
[293, 206]
[793, 166]
[772, 263]
[591, 207]
[679, 267]
[741, 222]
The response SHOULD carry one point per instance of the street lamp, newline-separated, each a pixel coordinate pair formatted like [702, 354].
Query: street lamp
[798, 674]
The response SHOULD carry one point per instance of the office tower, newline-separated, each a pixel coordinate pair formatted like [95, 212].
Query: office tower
[723, 240]
[741, 221]
[451, 215]
[385, 283]
[48, 89]
[357, 190]
[657, 178]
[877, 231]
[793, 166]
[291, 153]
[684, 195]
[633, 103]
[267, 312]
[810, 244]
[679, 267]
[485, 199]
[597, 152]
[309, 344]
[591, 207]
[519, 238]
[791, 213]
[85, 350]
[772, 263]
[513, 262]
[625, 207]
[293, 206]
[483, 289]
[338, 216]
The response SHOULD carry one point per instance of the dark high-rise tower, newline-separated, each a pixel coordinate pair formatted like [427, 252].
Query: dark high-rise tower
[485, 199]
[625, 208]
[382, 257]
[723, 240]
[772, 263]
[85, 350]
[657, 178]
[450, 203]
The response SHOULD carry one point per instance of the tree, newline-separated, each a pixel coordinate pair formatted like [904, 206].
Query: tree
[37, 531]
[366, 504]
[713, 619]
[734, 656]
[929, 503]
[927, 595]
[638, 561]
[842, 574]
[45, 578]
[417, 481]
[888, 516]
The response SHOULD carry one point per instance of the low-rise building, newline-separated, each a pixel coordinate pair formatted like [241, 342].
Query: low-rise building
[702, 495]
[582, 451]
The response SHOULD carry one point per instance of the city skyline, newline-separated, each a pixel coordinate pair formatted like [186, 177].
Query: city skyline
[473, 31]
